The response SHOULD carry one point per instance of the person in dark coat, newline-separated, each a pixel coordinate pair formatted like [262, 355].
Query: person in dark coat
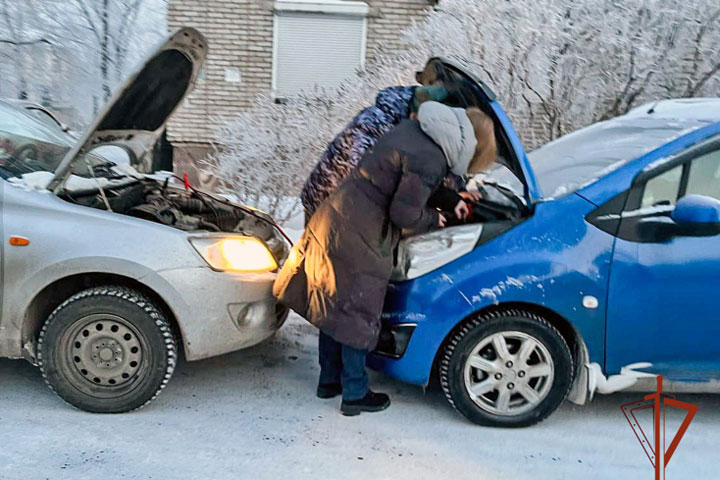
[342, 155]
[337, 274]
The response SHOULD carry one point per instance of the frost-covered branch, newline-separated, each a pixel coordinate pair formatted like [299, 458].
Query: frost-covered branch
[556, 65]
[20, 43]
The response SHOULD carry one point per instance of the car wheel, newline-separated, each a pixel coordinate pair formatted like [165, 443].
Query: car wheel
[107, 350]
[506, 369]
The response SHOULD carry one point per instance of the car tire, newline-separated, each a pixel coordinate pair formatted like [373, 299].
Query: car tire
[107, 350]
[519, 386]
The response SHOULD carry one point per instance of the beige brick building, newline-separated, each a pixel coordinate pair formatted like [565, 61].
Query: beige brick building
[277, 46]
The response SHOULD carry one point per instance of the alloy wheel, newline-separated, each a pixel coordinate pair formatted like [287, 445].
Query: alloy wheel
[508, 373]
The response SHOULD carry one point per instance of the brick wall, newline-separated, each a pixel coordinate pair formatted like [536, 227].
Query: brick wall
[240, 34]
[389, 18]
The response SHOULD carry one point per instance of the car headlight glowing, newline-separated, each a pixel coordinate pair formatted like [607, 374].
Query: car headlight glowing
[235, 254]
[421, 254]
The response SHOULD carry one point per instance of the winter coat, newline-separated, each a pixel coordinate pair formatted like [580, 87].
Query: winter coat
[344, 153]
[337, 274]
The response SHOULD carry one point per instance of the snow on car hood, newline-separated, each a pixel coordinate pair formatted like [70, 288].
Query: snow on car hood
[74, 183]
[135, 116]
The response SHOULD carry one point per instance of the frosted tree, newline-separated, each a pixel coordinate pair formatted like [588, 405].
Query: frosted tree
[556, 65]
[112, 24]
[264, 154]
[261, 163]
[21, 36]
[73, 53]
[669, 50]
[561, 65]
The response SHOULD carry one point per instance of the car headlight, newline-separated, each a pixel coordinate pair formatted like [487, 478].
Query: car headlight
[235, 254]
[421, 254]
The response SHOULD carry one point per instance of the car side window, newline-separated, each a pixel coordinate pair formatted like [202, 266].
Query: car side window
[633, 214]
[663, 189]
[704, 178]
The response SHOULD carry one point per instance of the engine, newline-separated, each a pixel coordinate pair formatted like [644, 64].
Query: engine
[187, 210]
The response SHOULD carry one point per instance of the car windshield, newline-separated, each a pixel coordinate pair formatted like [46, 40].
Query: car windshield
[29, 145]
[577, 159]
[44, 117]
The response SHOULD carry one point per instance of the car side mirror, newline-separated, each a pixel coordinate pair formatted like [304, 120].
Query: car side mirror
[693, 216]
[656, 229]
[697, 210]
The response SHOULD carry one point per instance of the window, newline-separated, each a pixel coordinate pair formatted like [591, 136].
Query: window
[663, 189]
[704, 178]
[316, 43]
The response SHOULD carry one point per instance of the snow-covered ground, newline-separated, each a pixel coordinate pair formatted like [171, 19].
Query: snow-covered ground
[253, 415]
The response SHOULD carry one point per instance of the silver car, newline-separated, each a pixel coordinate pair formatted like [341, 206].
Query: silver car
[107, 271]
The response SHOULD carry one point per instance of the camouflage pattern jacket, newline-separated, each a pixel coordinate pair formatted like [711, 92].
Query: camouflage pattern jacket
[344, 153]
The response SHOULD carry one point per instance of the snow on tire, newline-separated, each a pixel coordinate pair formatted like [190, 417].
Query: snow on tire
[107, 350]
[506, 368]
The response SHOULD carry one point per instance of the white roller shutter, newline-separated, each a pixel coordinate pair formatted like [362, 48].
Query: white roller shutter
[316, 48]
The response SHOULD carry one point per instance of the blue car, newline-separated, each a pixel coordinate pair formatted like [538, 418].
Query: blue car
[592, 262]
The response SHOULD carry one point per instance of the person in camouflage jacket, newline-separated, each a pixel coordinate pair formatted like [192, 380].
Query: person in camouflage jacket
[392, 105]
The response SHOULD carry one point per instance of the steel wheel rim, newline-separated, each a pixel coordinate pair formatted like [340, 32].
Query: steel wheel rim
[105, 354]
[509, 373]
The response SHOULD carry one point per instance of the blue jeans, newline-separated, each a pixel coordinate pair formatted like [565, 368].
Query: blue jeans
[343, 364]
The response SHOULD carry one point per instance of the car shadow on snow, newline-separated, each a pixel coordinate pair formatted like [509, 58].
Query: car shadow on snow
[285, 366]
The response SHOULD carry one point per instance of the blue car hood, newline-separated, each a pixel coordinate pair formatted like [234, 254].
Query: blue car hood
[474, 92]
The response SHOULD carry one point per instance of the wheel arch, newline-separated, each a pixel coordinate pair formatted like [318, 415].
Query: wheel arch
[53, 294]
[569, 333]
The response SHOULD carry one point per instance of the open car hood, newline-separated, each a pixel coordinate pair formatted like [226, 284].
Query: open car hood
[136, 114]
[465, 89]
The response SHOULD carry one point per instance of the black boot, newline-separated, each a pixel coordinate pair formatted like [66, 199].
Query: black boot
[371, 402]
[329, 390]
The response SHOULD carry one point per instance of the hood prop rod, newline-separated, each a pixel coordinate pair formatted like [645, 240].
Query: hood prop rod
[102, 190]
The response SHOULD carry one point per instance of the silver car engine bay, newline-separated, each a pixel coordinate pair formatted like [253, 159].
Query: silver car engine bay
[186, 209]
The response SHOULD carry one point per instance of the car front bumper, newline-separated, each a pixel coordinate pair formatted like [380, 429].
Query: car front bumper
[221, 312]
[401, 352]
[417, 316]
